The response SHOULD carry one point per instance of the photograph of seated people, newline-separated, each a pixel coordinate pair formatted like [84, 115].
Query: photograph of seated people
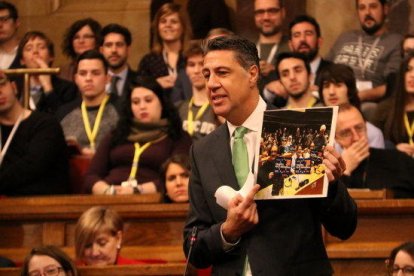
[253, 236]
[86, 121]
[368, 167]
[395, 116]
[337, 86]
[401, 260]
[98, 238]
[33, 159]
[148, 132]
[81, 36]
[48, 260]
[175, 172]
[47, 92]
[165, 58]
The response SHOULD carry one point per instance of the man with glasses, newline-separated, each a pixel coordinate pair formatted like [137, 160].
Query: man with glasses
[9, 42]
[370, 167]
[269, 16]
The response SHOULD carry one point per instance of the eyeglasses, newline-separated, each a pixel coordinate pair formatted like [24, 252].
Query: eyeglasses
[4, 19]
[48, 271]
[270, 11]
[346, 133]
[406, 270]
[84, 37]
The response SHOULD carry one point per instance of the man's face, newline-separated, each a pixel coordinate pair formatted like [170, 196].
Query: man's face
[231, 88]
[91, 78]
[294, 77]
[115, 50]
[304, 40]
[7, 97]
[8, 26]
[193, 69]
[268, 16]
[371, 15]
[350, 128]
[34, 52]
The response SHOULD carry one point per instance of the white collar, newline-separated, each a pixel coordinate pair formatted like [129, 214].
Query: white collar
[252, 121]
[315, 64]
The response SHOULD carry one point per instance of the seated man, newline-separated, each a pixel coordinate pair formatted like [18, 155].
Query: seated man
[33, 157]
[47, 92]
[370, 167]
[90, 119]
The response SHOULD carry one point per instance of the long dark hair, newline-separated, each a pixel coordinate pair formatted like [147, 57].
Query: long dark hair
[394, 125]
[169, 112]
[407, 247]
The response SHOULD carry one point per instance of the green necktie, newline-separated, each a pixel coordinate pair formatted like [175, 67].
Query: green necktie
[240, 155]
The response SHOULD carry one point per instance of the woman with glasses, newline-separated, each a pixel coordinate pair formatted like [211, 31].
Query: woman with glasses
[401, 260]
[395, 116]
[81, 36]
[48, 261]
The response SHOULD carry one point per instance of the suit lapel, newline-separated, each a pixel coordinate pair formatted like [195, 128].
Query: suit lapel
[222, 157]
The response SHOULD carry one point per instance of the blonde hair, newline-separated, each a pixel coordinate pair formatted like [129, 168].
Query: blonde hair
[93, 221]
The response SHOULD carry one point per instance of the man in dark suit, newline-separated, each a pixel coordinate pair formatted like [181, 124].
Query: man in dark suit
[9, 40]
[275, 237]
[116, 42]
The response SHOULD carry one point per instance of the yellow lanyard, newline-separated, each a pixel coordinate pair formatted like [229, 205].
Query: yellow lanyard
[93, 133]
[410, 129]
[190, 116]
[138, 151]
[311, 102]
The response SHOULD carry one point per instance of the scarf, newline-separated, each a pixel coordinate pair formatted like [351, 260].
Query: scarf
[146, 132]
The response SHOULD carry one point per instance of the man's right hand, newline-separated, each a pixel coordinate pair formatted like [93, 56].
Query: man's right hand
[406, 148]
[166, 81]
[277, 88]
[241, 216]
[355, 154]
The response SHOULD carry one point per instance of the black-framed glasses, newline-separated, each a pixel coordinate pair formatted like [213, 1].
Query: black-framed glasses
[271, 11]
[48, 271]
[4, 19]
[395, 269]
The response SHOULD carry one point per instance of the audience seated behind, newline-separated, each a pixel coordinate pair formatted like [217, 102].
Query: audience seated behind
[86, 121]
[81, 36]
[395, 116]
[165, 59]
[33, 159]
[368, 167]
[401, 259]
[337, 85]
[151, 125]
[48, 260]
[47, 92]
[175, 173]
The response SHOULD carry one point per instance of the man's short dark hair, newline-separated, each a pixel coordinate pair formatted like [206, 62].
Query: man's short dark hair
[4, 5]
[305, 18]
[32, 35]
[280, 57]
[245, 50]
[92, 54]
[193, 49]
[118, 29]
[383, 2]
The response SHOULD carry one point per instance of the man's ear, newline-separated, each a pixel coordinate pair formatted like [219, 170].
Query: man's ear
[254, 75]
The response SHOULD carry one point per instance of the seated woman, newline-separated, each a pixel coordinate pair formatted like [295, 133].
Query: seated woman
[48, 260]
[395, 116]
[338, 86]
[128, 160]
[176, 172]
[81, 36]
[98, 238]
[401, 260]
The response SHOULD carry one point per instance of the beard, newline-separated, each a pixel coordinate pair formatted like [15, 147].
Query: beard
[311, 54]
[298, 95]
[273, 31]
[374, 28]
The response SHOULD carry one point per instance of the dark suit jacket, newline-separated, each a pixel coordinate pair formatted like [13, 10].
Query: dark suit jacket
[287, 240]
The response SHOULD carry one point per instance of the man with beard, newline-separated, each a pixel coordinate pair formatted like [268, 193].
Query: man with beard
[269, 16]
[294, 74]
[116, 42]
[305, 37]
[373, 53]
[9, 41]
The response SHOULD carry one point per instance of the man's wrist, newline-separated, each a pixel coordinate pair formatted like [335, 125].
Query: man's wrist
[227, 246]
